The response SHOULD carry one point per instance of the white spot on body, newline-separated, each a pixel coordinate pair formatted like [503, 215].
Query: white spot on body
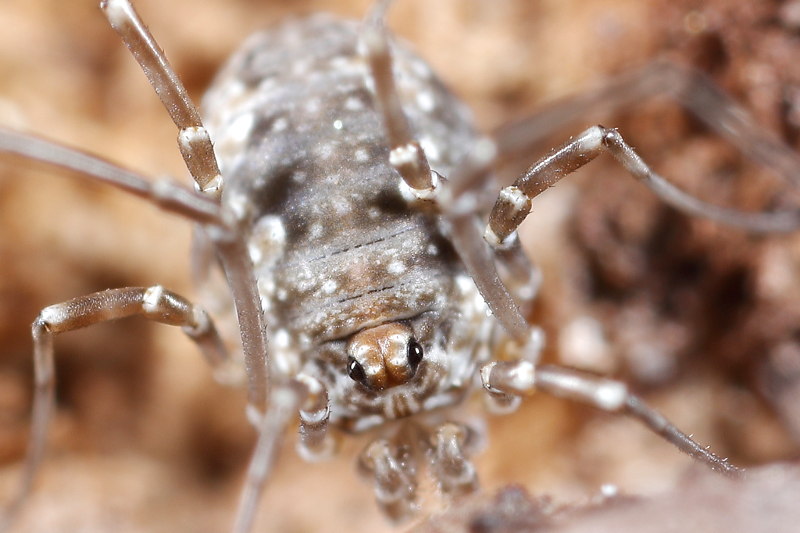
[421, 68]
[337, 124]
[267, 240]
[325, 151]
[342, 208]
[285, 357]
[396, 267]
[266, 286]
[267, 84]
[426, 101]
[239, 129]
[299, 68]
[280, 124]
[281, 339]
[239, 204]
[329, 286]
[361, 155]
[316, 230]
[312, 105]
[353, 104]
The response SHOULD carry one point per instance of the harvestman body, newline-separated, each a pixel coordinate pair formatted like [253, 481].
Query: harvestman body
[344, 214]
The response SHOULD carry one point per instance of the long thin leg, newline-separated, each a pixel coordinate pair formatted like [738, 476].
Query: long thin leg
[522, 378]
[198, 154]
[154, 303]
[690, 89]
[164, 194]
[193, 139]
[460, 196]
[225, 237]
[284, 401]
[514, 201]
[406, 155]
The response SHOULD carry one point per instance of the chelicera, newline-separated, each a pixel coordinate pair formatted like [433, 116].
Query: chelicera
[342, 199]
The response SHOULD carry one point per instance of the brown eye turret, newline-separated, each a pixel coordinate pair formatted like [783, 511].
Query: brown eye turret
[383, 356]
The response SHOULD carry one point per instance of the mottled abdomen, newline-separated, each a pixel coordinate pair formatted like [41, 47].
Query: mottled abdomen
[305, 159]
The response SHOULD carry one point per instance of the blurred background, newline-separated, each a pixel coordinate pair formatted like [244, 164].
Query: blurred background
[700, 319]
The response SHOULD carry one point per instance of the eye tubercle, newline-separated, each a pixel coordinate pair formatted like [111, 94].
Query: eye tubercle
[388, 354]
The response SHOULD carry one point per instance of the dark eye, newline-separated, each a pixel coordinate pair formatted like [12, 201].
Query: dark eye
[356, 371]
[415, 354]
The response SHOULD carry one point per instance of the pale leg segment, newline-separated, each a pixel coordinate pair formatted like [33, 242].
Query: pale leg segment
[406, 155]
[193, 139]
[154, 303]
[523, 378]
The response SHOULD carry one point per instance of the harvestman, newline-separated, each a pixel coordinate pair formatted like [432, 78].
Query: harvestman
[348, 232]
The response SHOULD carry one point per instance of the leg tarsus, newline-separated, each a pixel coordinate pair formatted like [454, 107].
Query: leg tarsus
[523, 378]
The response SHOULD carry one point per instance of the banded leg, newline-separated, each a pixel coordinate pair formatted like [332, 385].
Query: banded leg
[394, 474]
[522, 378]
[690, 89]
[193, 139]
[154, 303]
[406, 155]
[514, 202]
[226, 240]
[452, 469]
[198, 154]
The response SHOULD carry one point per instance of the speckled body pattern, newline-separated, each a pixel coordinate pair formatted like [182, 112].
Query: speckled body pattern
[335, 245]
